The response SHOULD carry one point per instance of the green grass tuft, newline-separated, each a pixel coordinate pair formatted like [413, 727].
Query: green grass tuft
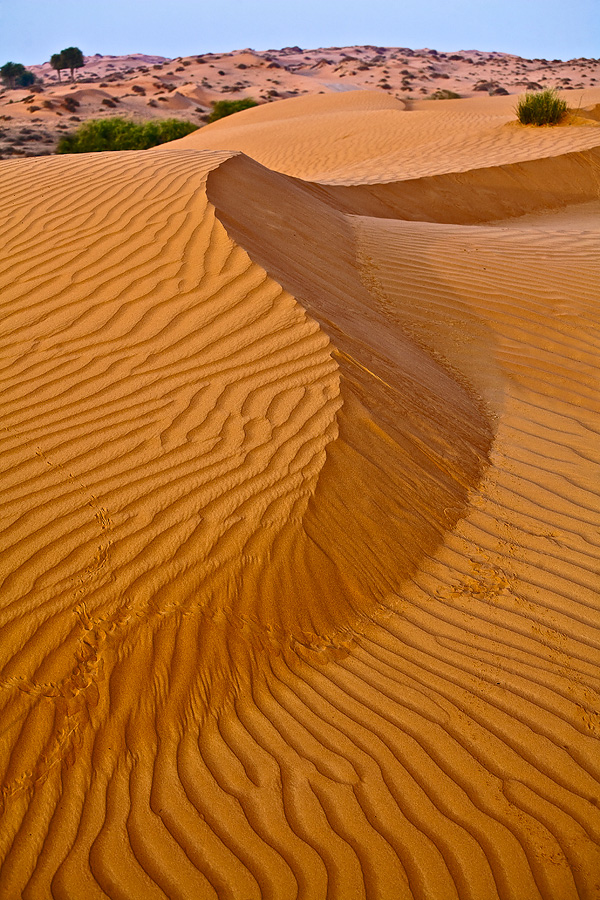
[542, 108]
[97, 135]
[222, 108]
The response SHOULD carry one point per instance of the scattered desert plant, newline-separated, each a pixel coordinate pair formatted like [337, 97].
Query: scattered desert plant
[161, 131]
[70, 103]
[443, 94]
[542, 108]
[26, 79]
[98, 135]
[222, 108]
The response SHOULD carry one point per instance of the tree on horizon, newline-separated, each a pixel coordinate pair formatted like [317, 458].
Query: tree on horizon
[56, 61]
[15, 75]
[10, 72]
[72, 58]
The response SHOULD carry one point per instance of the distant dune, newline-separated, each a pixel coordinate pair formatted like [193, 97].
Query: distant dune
[299, 556]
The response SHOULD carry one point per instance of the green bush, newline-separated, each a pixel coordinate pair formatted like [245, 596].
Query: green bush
[222, 108]
[26, 79]
[97, 135]
[542, 108]
[15, 75]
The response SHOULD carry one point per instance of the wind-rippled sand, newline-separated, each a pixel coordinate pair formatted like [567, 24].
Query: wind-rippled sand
[299, 549]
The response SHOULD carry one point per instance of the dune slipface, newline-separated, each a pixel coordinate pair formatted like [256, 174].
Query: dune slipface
[299, 547]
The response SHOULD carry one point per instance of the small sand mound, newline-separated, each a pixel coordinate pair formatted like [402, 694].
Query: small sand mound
[87, 95]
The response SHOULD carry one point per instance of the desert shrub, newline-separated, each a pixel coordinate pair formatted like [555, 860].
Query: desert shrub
[222, 108]
[161, 131]
[26, 79]
[98, 135]
[543, 108]
[443, 94]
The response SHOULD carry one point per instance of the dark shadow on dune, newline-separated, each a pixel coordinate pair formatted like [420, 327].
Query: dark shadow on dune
[412, 440]
[480, 195]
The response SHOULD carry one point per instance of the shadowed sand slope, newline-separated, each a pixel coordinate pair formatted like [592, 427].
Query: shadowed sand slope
[299, 550]
[482, 195]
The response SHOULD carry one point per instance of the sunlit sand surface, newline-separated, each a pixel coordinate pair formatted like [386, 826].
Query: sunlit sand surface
[300, 543]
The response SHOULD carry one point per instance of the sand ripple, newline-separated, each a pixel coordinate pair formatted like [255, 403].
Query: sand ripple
[299, 556]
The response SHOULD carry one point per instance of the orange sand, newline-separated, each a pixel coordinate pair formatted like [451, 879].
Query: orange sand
[299, 556]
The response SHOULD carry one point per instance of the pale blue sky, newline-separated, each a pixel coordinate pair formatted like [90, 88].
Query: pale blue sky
[31, 30]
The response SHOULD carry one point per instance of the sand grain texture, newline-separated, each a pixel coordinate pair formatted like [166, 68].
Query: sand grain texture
[300, 523]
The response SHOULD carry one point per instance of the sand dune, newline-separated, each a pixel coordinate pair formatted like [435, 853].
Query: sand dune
[299, 552]
[366, 142]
